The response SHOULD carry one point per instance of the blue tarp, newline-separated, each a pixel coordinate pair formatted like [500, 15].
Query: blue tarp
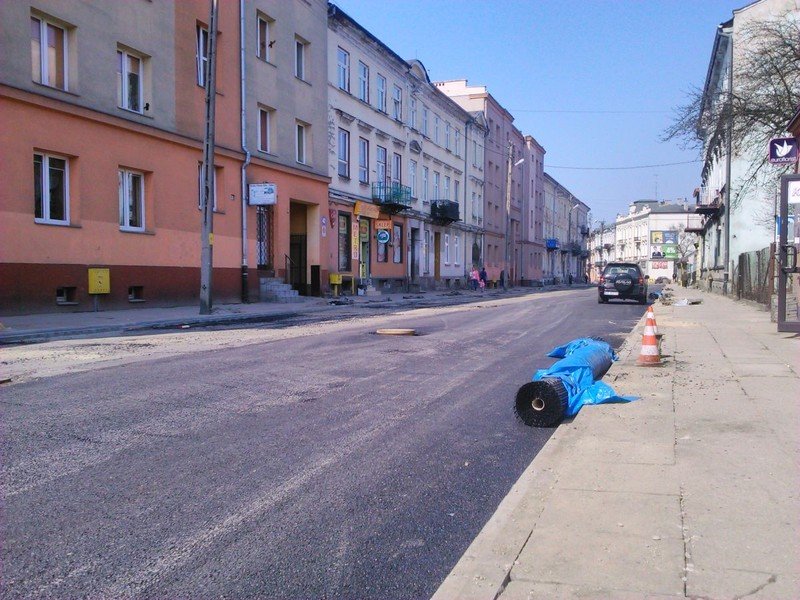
[581, 360]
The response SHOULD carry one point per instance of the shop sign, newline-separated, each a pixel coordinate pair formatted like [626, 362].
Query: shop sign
[659, 264]
[354, 243]
[383, 224]
[365, 209]
[363, 230]
[262, 194]
[670, 252]
[383, 236]
[794, 191]
[782, 151]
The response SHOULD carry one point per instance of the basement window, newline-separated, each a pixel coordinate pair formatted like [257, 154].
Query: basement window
[65, 296]
[136, 293]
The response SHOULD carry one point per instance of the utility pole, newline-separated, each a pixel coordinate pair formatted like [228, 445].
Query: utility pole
[508, 210]
[207, 203]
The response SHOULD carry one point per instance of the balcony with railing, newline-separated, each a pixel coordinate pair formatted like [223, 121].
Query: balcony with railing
[552, 243]
[444, 211]
[709, 200]
[391, 197]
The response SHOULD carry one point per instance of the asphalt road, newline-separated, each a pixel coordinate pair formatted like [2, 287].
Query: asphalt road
[336, 465]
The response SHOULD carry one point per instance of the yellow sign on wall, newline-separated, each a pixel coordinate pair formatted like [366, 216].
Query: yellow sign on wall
[383, 224]
[99, 281]
[335, 278]
[366, 209]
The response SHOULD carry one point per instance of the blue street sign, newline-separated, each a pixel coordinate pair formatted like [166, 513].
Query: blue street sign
[782, 151]
[383, 236]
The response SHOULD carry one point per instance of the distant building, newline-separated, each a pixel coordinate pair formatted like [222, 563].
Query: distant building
[566, 229]
[602, 248]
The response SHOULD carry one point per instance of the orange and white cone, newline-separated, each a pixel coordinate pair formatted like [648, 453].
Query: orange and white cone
[649, 355]
[652, 316]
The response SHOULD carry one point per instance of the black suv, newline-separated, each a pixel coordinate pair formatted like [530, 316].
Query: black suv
[622, 281]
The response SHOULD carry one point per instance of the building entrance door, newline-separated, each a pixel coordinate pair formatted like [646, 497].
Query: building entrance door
[437, 255]
[297, 261]
[363, 256]
[414, 273]
[788, 245]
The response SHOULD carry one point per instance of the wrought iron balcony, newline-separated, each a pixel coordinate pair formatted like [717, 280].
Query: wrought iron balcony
[392, 197]
[584, 230]
[444, 211]
[709, 200]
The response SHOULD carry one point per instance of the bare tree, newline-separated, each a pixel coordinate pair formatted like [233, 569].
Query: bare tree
[765, 96]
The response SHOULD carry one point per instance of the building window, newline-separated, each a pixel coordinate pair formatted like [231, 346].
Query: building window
[344, 242]
[447, 248]
[381, 164]
[397, 103]
[300, 58]
[363, 82]
[412, 177]
[458, 142]
[51, 189]
[397, 243]
[131, 200]
[436, 185]
[397, 169]
[363, 160]
[48, 53]
[344, 153]
[456, 250]
[426, 249]
[300, 143]
[381, 93]
[343, 70]
[129, 81]
[447, 135]
[424, 120]
[446, 187]
[201, 178]
[436, 129]
[412, 112]
[424, 184]
[474, 153]
[265, 129]
[264, 43]
[202, 55]
[456, 183]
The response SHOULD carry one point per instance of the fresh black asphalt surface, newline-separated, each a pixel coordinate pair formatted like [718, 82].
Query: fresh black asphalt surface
[344, 465]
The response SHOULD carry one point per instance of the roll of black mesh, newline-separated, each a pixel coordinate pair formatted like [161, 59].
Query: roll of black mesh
[542, 403]
[600, 362]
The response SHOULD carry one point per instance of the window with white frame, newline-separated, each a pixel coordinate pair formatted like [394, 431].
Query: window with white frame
[447, 248]
[202, 55]
[436, 129]
[456, 248]
[447, 187]
[363, 160]
[300, 51]
[264, 44]
[131, 200]
[424, 120]
[397, 168]
[381, 164]
[265, 127]
[301, 133]
[412, 177]
[424, 184]
[447, 135]
[436, 185]
[381, 93]
[344, 153]
[412, 112]
[49, 53]
[343, 70]
[397, 103]
[201, 178]
[51, 189]
[363, 82]
[474, 153]
[456, 185]
[129, 81]
[458, 142]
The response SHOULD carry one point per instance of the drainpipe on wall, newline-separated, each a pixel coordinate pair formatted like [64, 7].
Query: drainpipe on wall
[728, 178]
[242, 32]
[467, 247]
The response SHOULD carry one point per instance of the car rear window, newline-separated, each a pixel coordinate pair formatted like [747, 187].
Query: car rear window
[622, 269]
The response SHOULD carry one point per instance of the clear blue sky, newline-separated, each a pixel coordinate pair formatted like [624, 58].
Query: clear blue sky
[549, 55]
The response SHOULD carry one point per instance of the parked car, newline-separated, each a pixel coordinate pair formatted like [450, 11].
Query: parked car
[622, 281]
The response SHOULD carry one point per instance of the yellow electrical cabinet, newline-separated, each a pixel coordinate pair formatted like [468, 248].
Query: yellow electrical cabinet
[99, 281]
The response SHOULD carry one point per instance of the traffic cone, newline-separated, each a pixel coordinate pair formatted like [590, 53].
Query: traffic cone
[649, 355]
[652, 316]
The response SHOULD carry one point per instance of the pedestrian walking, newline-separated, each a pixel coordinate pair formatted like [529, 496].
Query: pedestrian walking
[474, 276]
[570, 278]
[483, 277]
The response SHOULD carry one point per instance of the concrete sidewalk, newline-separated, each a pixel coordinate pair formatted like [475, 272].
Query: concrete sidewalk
[691, 492]
[45, 326]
